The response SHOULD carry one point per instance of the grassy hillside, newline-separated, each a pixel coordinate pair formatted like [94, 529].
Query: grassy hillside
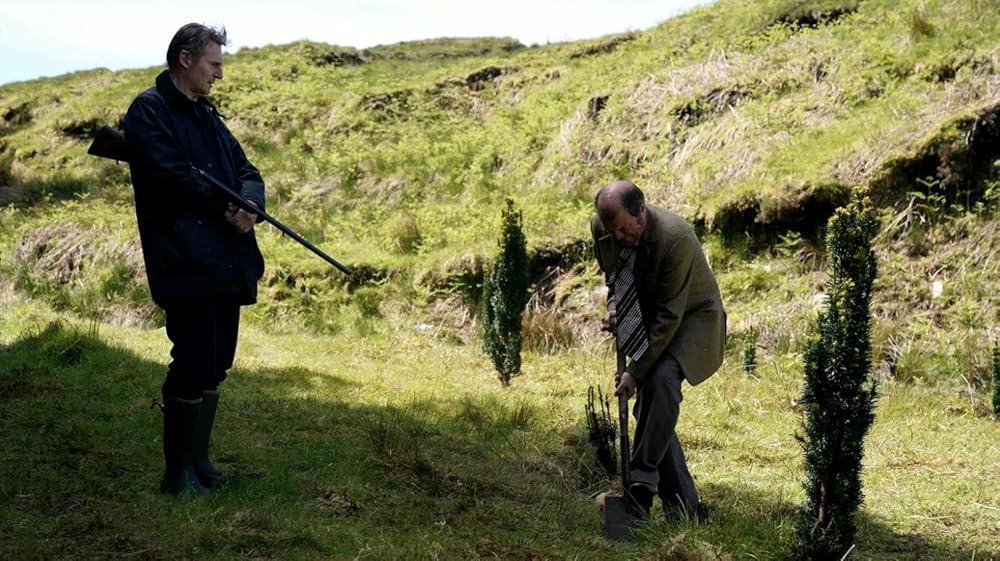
[365, 420]
[751, 119]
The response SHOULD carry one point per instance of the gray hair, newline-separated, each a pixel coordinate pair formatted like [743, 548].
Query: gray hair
[192, 38]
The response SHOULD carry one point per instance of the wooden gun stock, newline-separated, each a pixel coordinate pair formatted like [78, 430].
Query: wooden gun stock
[109, 143]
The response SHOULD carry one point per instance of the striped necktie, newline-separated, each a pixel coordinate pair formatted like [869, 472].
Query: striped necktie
[630, 331]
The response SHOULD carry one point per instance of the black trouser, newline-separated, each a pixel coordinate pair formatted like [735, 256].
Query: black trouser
[657, 458]
[203, 332]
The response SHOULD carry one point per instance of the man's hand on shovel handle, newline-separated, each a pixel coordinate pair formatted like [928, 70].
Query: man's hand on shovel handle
[624, 382]
[608, 322]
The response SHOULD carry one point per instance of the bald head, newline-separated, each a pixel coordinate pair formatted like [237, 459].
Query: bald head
[618, 195]
[621, 207]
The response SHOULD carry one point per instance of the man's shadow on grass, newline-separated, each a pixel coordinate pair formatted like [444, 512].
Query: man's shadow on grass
[69, 400]
[82, 447]
[83, 452]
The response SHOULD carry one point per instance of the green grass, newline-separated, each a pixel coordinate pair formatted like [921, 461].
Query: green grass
[399, 445]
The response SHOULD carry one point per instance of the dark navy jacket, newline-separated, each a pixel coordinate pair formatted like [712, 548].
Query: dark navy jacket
[189, 248]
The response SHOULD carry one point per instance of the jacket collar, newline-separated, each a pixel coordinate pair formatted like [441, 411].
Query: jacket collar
[649, 231]
[169, 91]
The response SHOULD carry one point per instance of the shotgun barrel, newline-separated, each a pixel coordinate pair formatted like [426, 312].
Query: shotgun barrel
[244, 204]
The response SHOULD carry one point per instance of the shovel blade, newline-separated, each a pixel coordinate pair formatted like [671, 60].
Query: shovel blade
[618, 519]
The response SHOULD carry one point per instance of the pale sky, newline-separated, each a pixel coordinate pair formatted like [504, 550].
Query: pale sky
[52, 37]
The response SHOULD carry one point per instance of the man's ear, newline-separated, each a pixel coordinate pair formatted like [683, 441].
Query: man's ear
[184, 59]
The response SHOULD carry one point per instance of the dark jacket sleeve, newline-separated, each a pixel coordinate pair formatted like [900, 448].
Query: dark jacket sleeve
[674, 284]
[251, 182]
[156, 154]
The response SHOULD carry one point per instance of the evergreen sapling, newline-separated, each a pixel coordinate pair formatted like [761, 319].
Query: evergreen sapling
[838, 399]
[749, 355]
[505, 294]
[602, 430]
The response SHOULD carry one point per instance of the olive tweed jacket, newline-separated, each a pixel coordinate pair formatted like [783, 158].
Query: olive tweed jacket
[678, 294]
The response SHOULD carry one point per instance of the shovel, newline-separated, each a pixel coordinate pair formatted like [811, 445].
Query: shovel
[618, 516]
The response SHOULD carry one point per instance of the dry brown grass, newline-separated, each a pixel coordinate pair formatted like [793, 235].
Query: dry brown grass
[86, 270]
[449, 318]
[545, 330]
[63, 252]
[8, 295]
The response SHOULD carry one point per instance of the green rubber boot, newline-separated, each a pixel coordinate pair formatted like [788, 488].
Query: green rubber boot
[179, 418]
[209, 475]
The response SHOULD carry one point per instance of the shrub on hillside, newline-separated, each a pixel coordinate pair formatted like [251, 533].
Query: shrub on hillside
[749, 355]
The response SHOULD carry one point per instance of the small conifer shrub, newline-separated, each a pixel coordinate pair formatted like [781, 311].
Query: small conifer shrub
[602, 430]
[838, 397]
[505, 294]
[749, 355]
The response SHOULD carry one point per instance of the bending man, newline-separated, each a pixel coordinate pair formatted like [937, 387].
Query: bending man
[666, 311]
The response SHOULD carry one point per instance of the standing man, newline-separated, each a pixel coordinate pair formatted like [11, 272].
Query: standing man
[200, 252]
[666, 311]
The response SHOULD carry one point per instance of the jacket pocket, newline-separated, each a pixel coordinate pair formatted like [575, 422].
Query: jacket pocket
[192, 245]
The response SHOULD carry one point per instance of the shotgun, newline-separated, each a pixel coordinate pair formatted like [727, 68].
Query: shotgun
[110, 143]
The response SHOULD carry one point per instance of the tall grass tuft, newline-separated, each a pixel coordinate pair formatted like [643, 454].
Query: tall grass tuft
[838, 401]
[545, 330]
[398, 436]
[996, 379]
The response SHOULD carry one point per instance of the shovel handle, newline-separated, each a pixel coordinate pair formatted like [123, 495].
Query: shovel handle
[623, 424]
